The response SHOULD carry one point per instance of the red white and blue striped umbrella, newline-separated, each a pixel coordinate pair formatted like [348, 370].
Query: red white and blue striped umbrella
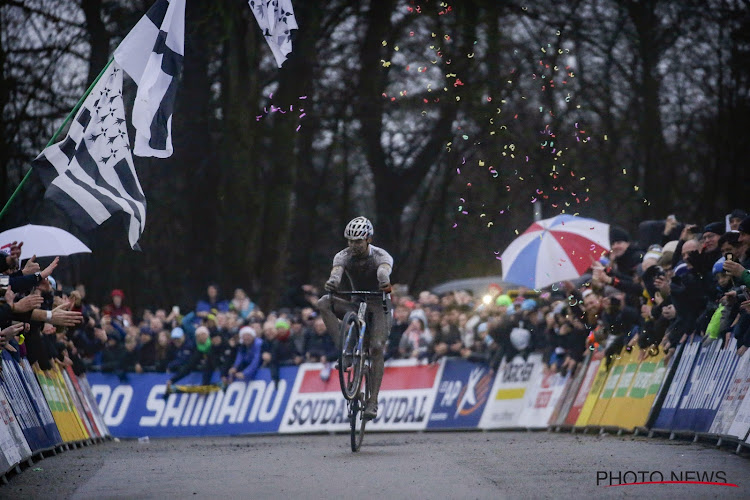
[552, 250]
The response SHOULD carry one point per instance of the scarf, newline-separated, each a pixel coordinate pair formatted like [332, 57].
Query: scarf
[204, 347]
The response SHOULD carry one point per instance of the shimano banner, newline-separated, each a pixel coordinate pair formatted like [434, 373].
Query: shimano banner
[461, 396]
[138, 407]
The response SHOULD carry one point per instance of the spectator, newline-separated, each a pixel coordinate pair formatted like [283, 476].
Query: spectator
[248, 358]
[241, 303]
[447, 336]
[202, 359]
[210, 302]
[178, 353]
[319, 347]
[117, 310]
[416, 339]
[400, 323]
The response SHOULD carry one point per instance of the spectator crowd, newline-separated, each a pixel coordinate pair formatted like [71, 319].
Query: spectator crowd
[677, 280]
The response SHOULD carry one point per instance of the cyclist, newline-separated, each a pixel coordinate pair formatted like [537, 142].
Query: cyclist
[368, 268]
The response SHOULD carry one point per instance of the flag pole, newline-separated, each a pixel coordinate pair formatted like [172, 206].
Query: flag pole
[54, 137]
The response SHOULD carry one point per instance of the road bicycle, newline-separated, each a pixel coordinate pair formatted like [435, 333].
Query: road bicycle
[355, 362]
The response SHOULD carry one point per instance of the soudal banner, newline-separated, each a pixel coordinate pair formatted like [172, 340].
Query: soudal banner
[461, 395]
[405, 401]
[506, 401]
[138, 407]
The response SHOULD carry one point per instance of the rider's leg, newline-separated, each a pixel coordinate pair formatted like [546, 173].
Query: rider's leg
[331, 316]
[381, 327]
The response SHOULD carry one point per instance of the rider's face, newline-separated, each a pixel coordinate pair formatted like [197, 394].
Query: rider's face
[359, 247]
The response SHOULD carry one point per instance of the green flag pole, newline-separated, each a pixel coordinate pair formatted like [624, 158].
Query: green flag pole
[54, 137]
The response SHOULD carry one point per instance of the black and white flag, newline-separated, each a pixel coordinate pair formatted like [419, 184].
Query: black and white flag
[276, 20]
[152, 55]
[90, 173]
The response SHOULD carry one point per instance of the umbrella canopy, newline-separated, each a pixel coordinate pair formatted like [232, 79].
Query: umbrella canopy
[552, 250]
[43, 241]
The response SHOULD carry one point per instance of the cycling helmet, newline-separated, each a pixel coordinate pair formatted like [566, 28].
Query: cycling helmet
[359, 228]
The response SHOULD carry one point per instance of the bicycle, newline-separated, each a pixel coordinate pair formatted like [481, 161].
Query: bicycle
[353, 334]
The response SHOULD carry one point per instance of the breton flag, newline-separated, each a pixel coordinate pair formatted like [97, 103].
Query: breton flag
[152, 55]
[90, 173]
[276, 20]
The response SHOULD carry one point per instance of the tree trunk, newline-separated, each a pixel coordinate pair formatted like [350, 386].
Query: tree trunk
[98, 38]
[242, 193]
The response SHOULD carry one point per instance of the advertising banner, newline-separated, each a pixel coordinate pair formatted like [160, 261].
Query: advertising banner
[717, 383]
[16, 395]
[608, 389]
[31, 384]
[541, 400]
[676, 387]
[77, 428]
[694, 385]
[506, 400]
[462, 394]
[138, 407]
[94, 408]
[586, 388]
[405, 401]
[601, 376]
[13, 445]
[82, 404]
[627, 364]
[569, 393]
[734, 395]
[73, 400]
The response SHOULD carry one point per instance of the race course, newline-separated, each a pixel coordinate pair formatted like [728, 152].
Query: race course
[390, 465]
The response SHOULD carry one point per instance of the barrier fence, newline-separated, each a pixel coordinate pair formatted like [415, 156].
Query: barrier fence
[43, 412]
[701, 390]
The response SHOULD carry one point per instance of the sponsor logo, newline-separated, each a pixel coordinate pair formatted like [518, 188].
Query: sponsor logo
[631, 477]
[391, 410]
[255, 401]
[467, 398]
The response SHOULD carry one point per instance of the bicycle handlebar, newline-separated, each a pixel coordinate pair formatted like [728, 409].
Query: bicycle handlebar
[364, 293]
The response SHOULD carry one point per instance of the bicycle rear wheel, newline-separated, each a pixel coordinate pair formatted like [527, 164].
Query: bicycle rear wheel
[350, 377]
[358, 427]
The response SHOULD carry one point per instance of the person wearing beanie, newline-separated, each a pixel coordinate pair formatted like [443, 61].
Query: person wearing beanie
[623, 267]
[248, 358]
[282, 349]
[734, 219]
[711, 234]
[202, 359]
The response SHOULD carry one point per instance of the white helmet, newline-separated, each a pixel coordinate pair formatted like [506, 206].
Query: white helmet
[359, 228]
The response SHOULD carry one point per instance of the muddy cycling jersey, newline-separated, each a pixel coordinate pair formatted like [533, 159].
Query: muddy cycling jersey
[363, 271]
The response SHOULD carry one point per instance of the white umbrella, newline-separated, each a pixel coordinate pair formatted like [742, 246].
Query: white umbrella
[43, 241]
[552, 250]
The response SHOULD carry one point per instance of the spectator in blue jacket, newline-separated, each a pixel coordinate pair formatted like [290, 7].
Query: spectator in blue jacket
[212, 301]
[248, 358]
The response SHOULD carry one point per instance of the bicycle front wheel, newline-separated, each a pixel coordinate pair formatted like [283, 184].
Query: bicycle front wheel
[357, 426]
[350, 364]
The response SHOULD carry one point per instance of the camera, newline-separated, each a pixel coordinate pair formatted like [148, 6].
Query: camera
[729, 256]
[4, 283]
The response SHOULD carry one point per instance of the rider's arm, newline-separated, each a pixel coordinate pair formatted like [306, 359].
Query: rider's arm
[337, 272]
[384, 275]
